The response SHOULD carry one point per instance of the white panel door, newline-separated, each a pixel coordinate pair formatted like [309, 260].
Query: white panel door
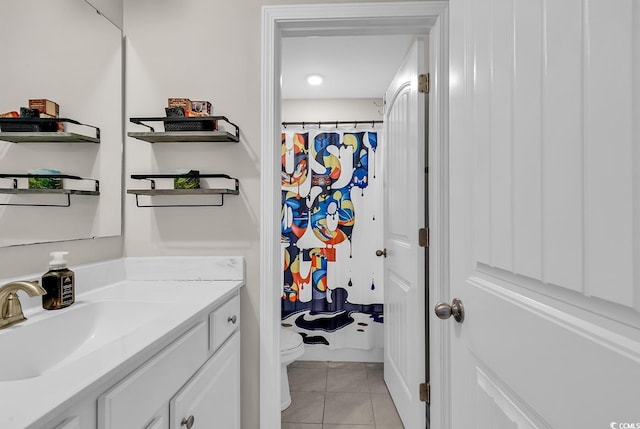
[545, 213]
[404, 286]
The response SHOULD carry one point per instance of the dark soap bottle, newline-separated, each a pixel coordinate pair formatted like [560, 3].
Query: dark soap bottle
[59, 283]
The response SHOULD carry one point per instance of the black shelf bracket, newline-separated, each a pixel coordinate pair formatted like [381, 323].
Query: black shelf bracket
[179, 205]
[14, 190]
[141, 121]
[68, 204]
[44, 126]
[183, 192]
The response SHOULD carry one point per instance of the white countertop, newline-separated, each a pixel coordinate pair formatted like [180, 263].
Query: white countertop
[35, 400]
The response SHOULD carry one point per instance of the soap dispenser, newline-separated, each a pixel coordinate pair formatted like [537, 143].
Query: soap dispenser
[59, 283]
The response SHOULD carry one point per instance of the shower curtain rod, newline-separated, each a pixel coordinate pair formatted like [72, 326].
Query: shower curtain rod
[336, 123]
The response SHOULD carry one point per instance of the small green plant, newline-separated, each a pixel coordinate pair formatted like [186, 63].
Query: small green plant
[44, 182]
[189, 180]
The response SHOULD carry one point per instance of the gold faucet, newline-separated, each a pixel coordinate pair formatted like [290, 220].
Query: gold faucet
[10, 307]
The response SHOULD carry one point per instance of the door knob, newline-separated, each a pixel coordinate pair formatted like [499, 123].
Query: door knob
[456, 309]
[381, 253]
[188, 422]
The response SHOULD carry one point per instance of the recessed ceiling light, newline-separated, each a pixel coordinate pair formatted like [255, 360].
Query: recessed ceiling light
[314, 79]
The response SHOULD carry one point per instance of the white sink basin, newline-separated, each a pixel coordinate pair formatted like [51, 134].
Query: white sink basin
[53, 339]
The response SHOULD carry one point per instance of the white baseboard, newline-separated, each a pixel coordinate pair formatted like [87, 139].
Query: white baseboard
[322, 353]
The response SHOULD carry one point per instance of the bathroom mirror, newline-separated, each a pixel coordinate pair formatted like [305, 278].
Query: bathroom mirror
[65, 52]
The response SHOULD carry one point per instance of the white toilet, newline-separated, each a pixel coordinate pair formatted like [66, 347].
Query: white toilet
[291, 348]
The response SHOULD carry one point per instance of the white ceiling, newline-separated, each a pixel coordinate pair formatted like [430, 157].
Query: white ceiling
[352, 66]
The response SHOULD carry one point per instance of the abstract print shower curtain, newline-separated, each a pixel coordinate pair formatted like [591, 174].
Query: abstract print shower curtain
[331, 226]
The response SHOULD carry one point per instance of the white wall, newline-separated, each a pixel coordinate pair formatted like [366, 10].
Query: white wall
[33, 259]
[201, 49]
[341, 109]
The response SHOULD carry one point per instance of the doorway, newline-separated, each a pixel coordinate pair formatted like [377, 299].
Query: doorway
[332, 192]
[365, 19]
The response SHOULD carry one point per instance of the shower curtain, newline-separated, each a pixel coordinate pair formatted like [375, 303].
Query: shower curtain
[331, 222]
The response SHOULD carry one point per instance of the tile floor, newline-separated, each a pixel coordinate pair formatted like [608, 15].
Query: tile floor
[339, 395]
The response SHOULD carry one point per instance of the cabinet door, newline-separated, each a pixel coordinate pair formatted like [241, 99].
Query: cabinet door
[212, 396]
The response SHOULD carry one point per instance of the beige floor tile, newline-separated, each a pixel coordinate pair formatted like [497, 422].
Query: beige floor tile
[348, 426]
[353, 379]
[375, 378]
[301, 426]
[374, 366]
[385, 412]
[346, 365]
[348, 408]
[308, 364]
[376, 370]
[306, 407]
[307, 379]
[345, 395]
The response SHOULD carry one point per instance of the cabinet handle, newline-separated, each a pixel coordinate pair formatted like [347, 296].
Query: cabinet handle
[188, 422]
[233, 319]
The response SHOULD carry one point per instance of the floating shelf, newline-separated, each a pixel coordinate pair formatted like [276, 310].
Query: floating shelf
[14, 190]
[184, 136]
[183, 192]
[52, 137]
[9, 132]
[47, 191]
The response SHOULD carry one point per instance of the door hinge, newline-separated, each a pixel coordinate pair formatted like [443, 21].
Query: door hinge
[423, 237]
[424, 83]
[425, 392]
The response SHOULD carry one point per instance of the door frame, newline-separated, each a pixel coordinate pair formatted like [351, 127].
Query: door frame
[353, 19]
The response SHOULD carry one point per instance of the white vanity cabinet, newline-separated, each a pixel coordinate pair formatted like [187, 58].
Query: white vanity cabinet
[193, 382]
[149, 342]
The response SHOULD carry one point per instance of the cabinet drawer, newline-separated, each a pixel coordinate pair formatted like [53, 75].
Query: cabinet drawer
[223, 322]
[132, 402]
